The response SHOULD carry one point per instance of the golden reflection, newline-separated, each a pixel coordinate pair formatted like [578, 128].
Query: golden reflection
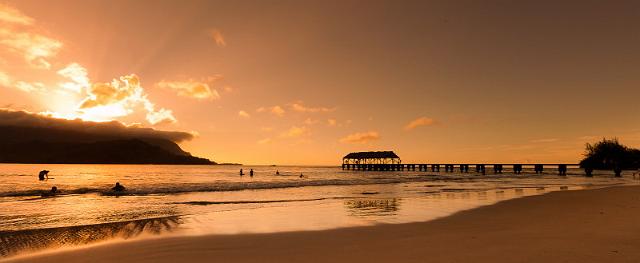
[373, 207]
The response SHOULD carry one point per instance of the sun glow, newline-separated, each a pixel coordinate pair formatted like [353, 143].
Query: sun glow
[65, 105]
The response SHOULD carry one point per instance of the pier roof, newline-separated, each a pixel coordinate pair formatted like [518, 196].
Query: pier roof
[371, 155]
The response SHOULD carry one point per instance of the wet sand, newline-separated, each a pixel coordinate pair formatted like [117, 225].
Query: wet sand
[601, 225]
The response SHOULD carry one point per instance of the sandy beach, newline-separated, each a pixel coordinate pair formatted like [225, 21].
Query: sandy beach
[570, 226]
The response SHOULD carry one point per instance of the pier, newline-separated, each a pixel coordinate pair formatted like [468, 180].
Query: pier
[389, 161]
[561, 169]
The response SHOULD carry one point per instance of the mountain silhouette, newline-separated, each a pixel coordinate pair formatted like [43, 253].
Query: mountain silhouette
[50, 145]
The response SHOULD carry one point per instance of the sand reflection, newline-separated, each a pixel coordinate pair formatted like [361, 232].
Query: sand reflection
[373, 207]
[14, 242]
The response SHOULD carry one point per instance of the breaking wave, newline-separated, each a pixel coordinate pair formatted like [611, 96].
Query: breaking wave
[224, 186]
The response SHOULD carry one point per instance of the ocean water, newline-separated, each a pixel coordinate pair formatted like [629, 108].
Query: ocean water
[166, 200]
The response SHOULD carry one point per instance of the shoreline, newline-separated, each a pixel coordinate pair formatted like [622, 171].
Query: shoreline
[576, 226]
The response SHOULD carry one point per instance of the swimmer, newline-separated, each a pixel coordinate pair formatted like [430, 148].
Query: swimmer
[118, 188]
[53, 192]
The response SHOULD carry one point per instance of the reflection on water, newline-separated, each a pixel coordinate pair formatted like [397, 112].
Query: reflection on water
[215, 200]
[13, 242]
[373, 207]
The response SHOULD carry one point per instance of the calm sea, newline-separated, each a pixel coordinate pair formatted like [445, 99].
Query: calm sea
[164, 200]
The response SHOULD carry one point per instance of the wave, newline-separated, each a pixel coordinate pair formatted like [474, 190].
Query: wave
[237, 186]
[214, 187]
[255, 201]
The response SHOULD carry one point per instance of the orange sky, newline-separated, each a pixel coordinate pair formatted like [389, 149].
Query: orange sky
[305, 82]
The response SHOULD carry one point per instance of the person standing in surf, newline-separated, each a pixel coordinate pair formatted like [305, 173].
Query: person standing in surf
[43, 174]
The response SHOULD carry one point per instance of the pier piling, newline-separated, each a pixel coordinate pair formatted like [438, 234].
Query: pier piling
[517, 168]
[538, 168]
[562, 169]
[588, 171]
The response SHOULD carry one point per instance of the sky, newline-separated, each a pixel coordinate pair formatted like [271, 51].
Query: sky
[306, 82]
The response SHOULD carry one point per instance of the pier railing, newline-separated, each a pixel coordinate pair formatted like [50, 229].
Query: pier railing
[516, 168]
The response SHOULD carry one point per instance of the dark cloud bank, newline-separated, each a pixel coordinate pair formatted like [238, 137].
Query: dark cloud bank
[34, 138]
[10, 118]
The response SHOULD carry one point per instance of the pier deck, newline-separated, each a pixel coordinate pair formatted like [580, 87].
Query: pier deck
[496, 168]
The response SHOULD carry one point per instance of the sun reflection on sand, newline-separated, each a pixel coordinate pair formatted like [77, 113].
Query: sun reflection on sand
[372, 207]
[14, 242]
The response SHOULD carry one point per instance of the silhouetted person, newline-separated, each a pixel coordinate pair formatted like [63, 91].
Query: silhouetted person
[52, 192]
[118, 188]
[241, 172]
[277, 172]
[251, 173]
[43, 174]
[301, 176]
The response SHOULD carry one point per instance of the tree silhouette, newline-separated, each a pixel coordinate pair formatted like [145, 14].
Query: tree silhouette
[610, 154]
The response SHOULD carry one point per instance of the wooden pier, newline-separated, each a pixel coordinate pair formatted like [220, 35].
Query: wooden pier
[561, 169]
[389, 161]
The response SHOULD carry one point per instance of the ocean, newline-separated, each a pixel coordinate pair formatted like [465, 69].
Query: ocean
[168, 200]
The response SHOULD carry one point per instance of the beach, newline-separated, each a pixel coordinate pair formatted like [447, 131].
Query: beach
[319, 131]
[594, 225]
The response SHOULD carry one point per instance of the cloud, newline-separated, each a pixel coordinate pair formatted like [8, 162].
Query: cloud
[300, 107]
[589, 138]
[265, 141]
[9, 14]
[21, 39]
[295, 132]
[77, 75]
[422, 121]
[118, 91]
[190, 88]
[33, 47]
[217, 36]
[244, 114]
[275, 110]
[29, 87]
[106, 101]
[5, 80]
[159, 117]
[310, 121]
[361, 137]
[546, 140]
[112, 129]
[332, 122]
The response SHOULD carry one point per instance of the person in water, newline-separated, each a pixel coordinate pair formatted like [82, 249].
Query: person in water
[251, 173]
[43, 174]
[118, 188]
[53, 192]
[277, 172]
[241, 173]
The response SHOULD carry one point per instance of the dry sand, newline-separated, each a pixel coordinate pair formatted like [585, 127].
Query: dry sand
[601, 225]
